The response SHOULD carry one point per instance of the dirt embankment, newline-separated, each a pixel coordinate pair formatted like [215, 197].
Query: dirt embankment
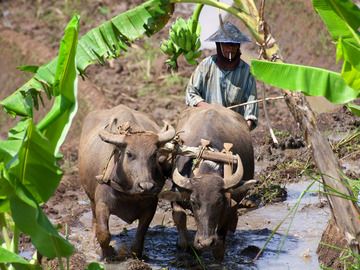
[30, 31]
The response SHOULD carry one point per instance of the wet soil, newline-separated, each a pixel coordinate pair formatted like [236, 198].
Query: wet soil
[30, 31]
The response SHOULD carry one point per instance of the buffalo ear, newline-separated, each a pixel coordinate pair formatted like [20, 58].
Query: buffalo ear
[171, 196]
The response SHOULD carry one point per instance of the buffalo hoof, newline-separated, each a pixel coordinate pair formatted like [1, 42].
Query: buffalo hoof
[136, 252]
[108, 254]
[184, 245]
[219, 252]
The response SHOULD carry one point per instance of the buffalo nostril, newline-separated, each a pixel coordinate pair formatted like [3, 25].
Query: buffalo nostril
[205, 242]
[146, 186]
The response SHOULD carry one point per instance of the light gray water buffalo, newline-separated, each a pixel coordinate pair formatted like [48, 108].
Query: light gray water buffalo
[212, 198]
[119, 170]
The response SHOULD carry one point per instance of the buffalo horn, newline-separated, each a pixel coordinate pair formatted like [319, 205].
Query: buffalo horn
[234, 179]
[108, 137]
[180, 180]
[166, 133]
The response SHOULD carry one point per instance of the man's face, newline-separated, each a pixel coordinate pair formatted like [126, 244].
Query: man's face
[229, 50]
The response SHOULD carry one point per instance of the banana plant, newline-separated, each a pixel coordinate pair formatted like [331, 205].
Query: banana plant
[342, 19]
[184, 38]
[29, 173]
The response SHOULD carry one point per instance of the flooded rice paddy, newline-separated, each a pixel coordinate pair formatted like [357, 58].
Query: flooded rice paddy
[293, 246]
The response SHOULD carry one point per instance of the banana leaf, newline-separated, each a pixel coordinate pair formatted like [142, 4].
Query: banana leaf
[7, 256]
[350, 52]
[309, 80]
[33, 163]
[99, 44]
[30, 219]
[351, 75]
[342, 18]
[55, 125]
[354, 108]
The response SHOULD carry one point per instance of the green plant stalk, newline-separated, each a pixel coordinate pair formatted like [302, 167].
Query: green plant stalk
[5, 231]
[197, 12]
[61, 265]
[198, 259]
[3, 267]
[248, 20]
[15, 240]
[67, 238]
[282, 221]
[348, 138]
[294, 210]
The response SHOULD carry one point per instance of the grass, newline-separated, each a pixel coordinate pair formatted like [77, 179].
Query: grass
[349, 259]
[143, 67]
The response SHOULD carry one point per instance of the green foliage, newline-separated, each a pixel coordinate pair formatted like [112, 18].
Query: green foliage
[355, 109]
[29, 173]
[342, 19]
[310, 80]
[9, 257]
[184, 38]
[99, 44]
[95, 266]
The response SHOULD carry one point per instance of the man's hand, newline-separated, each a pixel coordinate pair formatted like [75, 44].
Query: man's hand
[202, 104]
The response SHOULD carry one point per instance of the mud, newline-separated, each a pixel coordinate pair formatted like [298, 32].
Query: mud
[293, 245]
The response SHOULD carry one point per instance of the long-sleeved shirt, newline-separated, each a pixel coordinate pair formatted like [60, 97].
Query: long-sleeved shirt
[211, 84]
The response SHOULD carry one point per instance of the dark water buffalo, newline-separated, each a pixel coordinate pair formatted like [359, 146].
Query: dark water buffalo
[212, 197]
[120, 171]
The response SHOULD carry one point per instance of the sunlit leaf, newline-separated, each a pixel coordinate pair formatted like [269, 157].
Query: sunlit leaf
[7, 256]
[351, 75]
[30, 219]
[55, 125]
[35, 165]
[95, 266]
[351, 53]
[31, 69]
[354, 108]
[309, 80]
[342, 18]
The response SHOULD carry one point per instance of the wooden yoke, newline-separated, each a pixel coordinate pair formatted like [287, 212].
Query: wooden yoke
[194, 152]
[228, 166]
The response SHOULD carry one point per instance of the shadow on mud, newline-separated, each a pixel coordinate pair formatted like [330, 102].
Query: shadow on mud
[161, 251]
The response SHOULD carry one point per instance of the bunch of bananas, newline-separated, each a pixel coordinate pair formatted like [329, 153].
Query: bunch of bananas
[184, 38]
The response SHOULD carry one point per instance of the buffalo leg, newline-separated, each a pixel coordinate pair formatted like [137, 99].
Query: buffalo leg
[102, 230]
[144, 222]
[219, 250]
[179, 217]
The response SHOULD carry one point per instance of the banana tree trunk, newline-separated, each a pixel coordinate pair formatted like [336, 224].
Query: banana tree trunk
[345, 213]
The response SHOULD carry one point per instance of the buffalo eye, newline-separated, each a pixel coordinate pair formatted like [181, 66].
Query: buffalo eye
[129, 155]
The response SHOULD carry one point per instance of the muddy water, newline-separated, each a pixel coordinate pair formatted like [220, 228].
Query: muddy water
[254, 228]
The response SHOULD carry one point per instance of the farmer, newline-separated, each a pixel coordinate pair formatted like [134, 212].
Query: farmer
[224, 78]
